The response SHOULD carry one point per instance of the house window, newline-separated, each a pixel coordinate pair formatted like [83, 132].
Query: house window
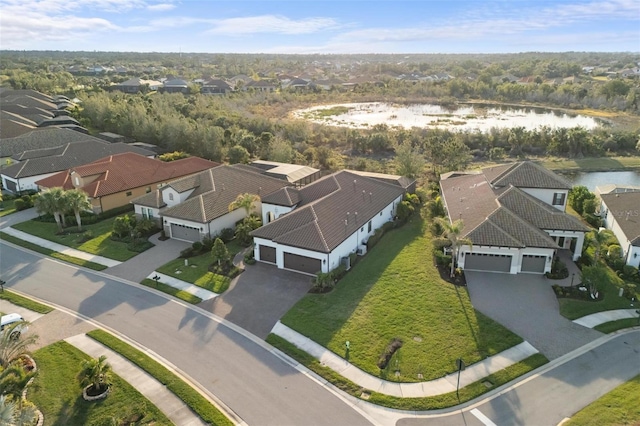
[170, 197]
[128, 193]
[148, 189]
[369, 227]
[558, 199]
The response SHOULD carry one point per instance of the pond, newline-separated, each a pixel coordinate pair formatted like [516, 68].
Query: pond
[466, 118]
[593, 179]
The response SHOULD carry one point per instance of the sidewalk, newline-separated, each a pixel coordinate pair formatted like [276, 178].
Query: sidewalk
[157, 393]
[598, 318]
[445, 384]
[182, 285]
[60, 248]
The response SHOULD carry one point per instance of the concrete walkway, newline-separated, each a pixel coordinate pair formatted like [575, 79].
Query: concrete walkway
[60, 248]
[166, 401]
[446, 384]
[598, 318]
[185, 286]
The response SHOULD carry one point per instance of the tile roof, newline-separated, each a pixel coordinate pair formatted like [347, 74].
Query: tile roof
[331, 210]
[502, 216]
[524, 174]
[121, 172]
[401, 181]
[42, 138]
[68, 156]
[286, 196]
[215, 189]
[10, 128]
[625, 207]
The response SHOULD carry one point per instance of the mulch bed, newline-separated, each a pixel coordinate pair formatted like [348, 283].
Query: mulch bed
[445, 272]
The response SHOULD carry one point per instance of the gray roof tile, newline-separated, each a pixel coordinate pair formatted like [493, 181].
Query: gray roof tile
[625, 207]
[526, 174]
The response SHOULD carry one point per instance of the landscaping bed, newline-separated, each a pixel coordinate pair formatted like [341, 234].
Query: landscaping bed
[395, 291]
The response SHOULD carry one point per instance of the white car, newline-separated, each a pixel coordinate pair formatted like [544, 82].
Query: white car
[7, 322]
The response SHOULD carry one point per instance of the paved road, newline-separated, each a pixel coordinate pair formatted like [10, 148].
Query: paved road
[261, 388]
[526, 305]
[558, 393]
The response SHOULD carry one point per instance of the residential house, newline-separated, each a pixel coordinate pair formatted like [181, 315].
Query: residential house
[315, 228]
[175, 85]
[197, 206]
[115, 180]
[620, 212]
[36, 139]
[514, 214]
[135, 85]
[215, 86]
[32, 166]
[261, 86]
[296, 174]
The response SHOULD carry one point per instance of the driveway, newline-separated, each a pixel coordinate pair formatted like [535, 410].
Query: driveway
[526, 305]
[259, 297]
[18, 217]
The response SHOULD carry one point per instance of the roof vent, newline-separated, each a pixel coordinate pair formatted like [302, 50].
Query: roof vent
[370, 196]
[354, 184]
[363, 194]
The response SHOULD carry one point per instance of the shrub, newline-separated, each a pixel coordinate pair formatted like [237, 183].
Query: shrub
[391, 348]
[226, 235]
[123, 226]
[629, 290]
[187, 253]
[389, 226]
[558, 270]
[323, 281]
[19, 204]
[207, 243]
[249, 258]
[115, 212]
[592, 220]
[197, 246]
[145, 227]
[630, 273]
[423, 195]
[86, 236]
[373, 239]
[441, 258]
[404, 211]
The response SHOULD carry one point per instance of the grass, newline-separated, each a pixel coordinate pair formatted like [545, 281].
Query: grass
[197, 272]
[165, 288]
[618, 407]
[198, 403]
[58, 394]
[395, 291]
[100, 244]
[425, 403]
[7, 207]
[573, 309]
[593, 163]
[611, 326]
[18, 300]
[51, 253]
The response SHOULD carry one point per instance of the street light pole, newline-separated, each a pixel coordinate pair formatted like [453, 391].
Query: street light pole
[460, 365]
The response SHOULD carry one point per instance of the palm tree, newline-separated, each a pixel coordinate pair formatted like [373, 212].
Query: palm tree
[10, 347]
[51, 202]
[77, 201]
[96, 372]
[245, 201]
[452, 233]
[10, 415]
[14, 380]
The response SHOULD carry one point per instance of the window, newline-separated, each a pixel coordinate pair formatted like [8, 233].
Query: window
[170, 197]
[148, 189]
[128, 193]
[558, 199]
[369, 227]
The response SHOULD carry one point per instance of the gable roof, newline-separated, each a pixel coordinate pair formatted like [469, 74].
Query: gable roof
[213, 191]
[524, 174]
[331, 209]
[75, 154]
[42, 138]
[121, 172]
[625, 207]
[286, 196]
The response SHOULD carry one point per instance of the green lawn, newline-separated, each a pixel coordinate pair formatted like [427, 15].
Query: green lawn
[7, 207]
[58, 394]
[51, 253]
[24, 302]
[618, 407]
[572, 309]
[199, 404]
[165, 288]
[396, 291]
[100, 244]
[593, 163]
[611, 326]
[197, 272]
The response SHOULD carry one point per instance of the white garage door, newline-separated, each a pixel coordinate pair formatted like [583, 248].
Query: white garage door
[185, 233]
[487, 262]
[533, 263]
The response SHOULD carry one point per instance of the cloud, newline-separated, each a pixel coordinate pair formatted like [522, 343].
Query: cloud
[161, 7]
[271, 24]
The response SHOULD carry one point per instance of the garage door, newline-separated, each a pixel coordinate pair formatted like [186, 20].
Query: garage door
[487, 262]
[302, 263]
[185, 233]
[10, 186]
[267, 254]
[533, 263]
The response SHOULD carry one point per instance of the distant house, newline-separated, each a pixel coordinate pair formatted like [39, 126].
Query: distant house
[215, 86]
[295, 174]
[197, 206]
[299, 84]
[317, 227]
[41, 138]
[135, 85]
[111, 137]
[620, 212]
[328, 84]
[175, 85]
[32, 166]
[261, 86]
[515, 216]
[115, 180]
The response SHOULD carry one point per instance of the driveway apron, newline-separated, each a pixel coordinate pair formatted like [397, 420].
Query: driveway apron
[526, 305]
[259, 297]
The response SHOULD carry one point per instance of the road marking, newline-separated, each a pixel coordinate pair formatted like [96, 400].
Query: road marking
[484, 419]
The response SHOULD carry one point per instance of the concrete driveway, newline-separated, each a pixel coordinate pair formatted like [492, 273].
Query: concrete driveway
[259, 297]
[526, 305]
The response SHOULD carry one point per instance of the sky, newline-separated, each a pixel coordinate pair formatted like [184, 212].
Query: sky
[309, 26]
